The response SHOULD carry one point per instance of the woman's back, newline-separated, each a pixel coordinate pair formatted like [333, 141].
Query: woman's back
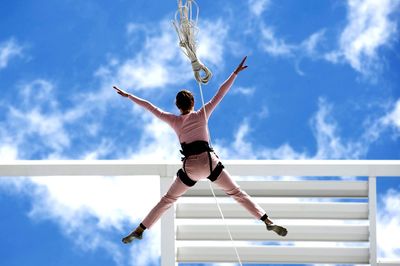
[191, 127]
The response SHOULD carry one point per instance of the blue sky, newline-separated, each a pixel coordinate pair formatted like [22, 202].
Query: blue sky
[322, 83]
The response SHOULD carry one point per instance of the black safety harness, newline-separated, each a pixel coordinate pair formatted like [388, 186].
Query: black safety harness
[195, 148]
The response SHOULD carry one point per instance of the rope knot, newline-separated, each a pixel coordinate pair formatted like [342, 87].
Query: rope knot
[196, 65]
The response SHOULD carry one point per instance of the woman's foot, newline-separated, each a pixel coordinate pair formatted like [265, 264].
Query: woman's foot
[129, 238]
[282, 231]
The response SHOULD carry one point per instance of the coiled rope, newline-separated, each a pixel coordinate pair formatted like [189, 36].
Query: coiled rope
[187, 30]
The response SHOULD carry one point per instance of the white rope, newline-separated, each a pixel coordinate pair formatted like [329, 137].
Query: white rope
[212, 189]
[186, 28]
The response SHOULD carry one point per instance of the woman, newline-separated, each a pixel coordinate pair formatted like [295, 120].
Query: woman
[200, 161]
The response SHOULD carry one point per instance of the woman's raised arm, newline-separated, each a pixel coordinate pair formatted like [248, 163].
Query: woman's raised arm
[209, 107]
[165, 116]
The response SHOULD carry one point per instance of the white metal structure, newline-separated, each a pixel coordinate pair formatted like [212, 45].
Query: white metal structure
[208, 241]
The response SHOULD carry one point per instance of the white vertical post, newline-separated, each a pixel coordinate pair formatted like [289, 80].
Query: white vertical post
[372, 220]
[168, 257]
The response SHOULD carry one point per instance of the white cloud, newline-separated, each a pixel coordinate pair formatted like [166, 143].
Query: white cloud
[329, 143]
[388, 225]
[211, 41]
[8, 50]
[157, 142]
[110, 199]
[326, 131]
[157, 64]
[133, 28]
[46, 126]
[37, 115]
[310, 44]
[370, 26]
[99, 151]
[160, 62]
[91, 211]
[278, 47]
[8, 152]
[378, 125]
[38, 91]
[243, 149]
[309, 48]
[257, 7]
[273, 45]
[393, 117]
[246, 91]
[263, 113]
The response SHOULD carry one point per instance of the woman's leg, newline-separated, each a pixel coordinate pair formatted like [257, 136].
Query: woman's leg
[176, 190]
[231, 188]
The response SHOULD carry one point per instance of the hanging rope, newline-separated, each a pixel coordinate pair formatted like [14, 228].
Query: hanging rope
[212, 189]
[186, 28]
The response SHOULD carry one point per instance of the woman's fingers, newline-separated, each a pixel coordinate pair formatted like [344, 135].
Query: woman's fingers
[117, 89]
[240, 66]
[243, 60]
[120, 92]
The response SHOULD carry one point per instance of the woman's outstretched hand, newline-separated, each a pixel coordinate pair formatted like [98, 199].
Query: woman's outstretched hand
[241, 66]
[121, 92]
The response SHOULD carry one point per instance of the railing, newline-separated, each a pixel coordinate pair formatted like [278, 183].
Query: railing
[173, 233]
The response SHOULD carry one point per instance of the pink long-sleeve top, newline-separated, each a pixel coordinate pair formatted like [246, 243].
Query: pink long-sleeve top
[192, 126]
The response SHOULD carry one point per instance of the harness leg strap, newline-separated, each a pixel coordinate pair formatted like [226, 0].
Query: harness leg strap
[185, 178]
[216, 172]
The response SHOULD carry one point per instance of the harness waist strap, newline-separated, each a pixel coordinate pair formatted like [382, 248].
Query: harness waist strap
[195, 147]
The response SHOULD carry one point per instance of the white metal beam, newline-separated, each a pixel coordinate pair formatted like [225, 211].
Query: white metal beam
[168, 249]
[388, 262]
[274, 254]
[314, 210]
[238, 167]
[258, 232]
[321, 188]
[372, 221]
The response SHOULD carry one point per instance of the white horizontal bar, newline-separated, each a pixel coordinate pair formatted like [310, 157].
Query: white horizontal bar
[388, 262]
[306, 210]
[253, 232]
[290, 189]
[169, 168]
[268, 254]
[315, 167]
[80, 167]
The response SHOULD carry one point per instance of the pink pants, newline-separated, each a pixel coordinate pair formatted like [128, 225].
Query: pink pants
[197, 167]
